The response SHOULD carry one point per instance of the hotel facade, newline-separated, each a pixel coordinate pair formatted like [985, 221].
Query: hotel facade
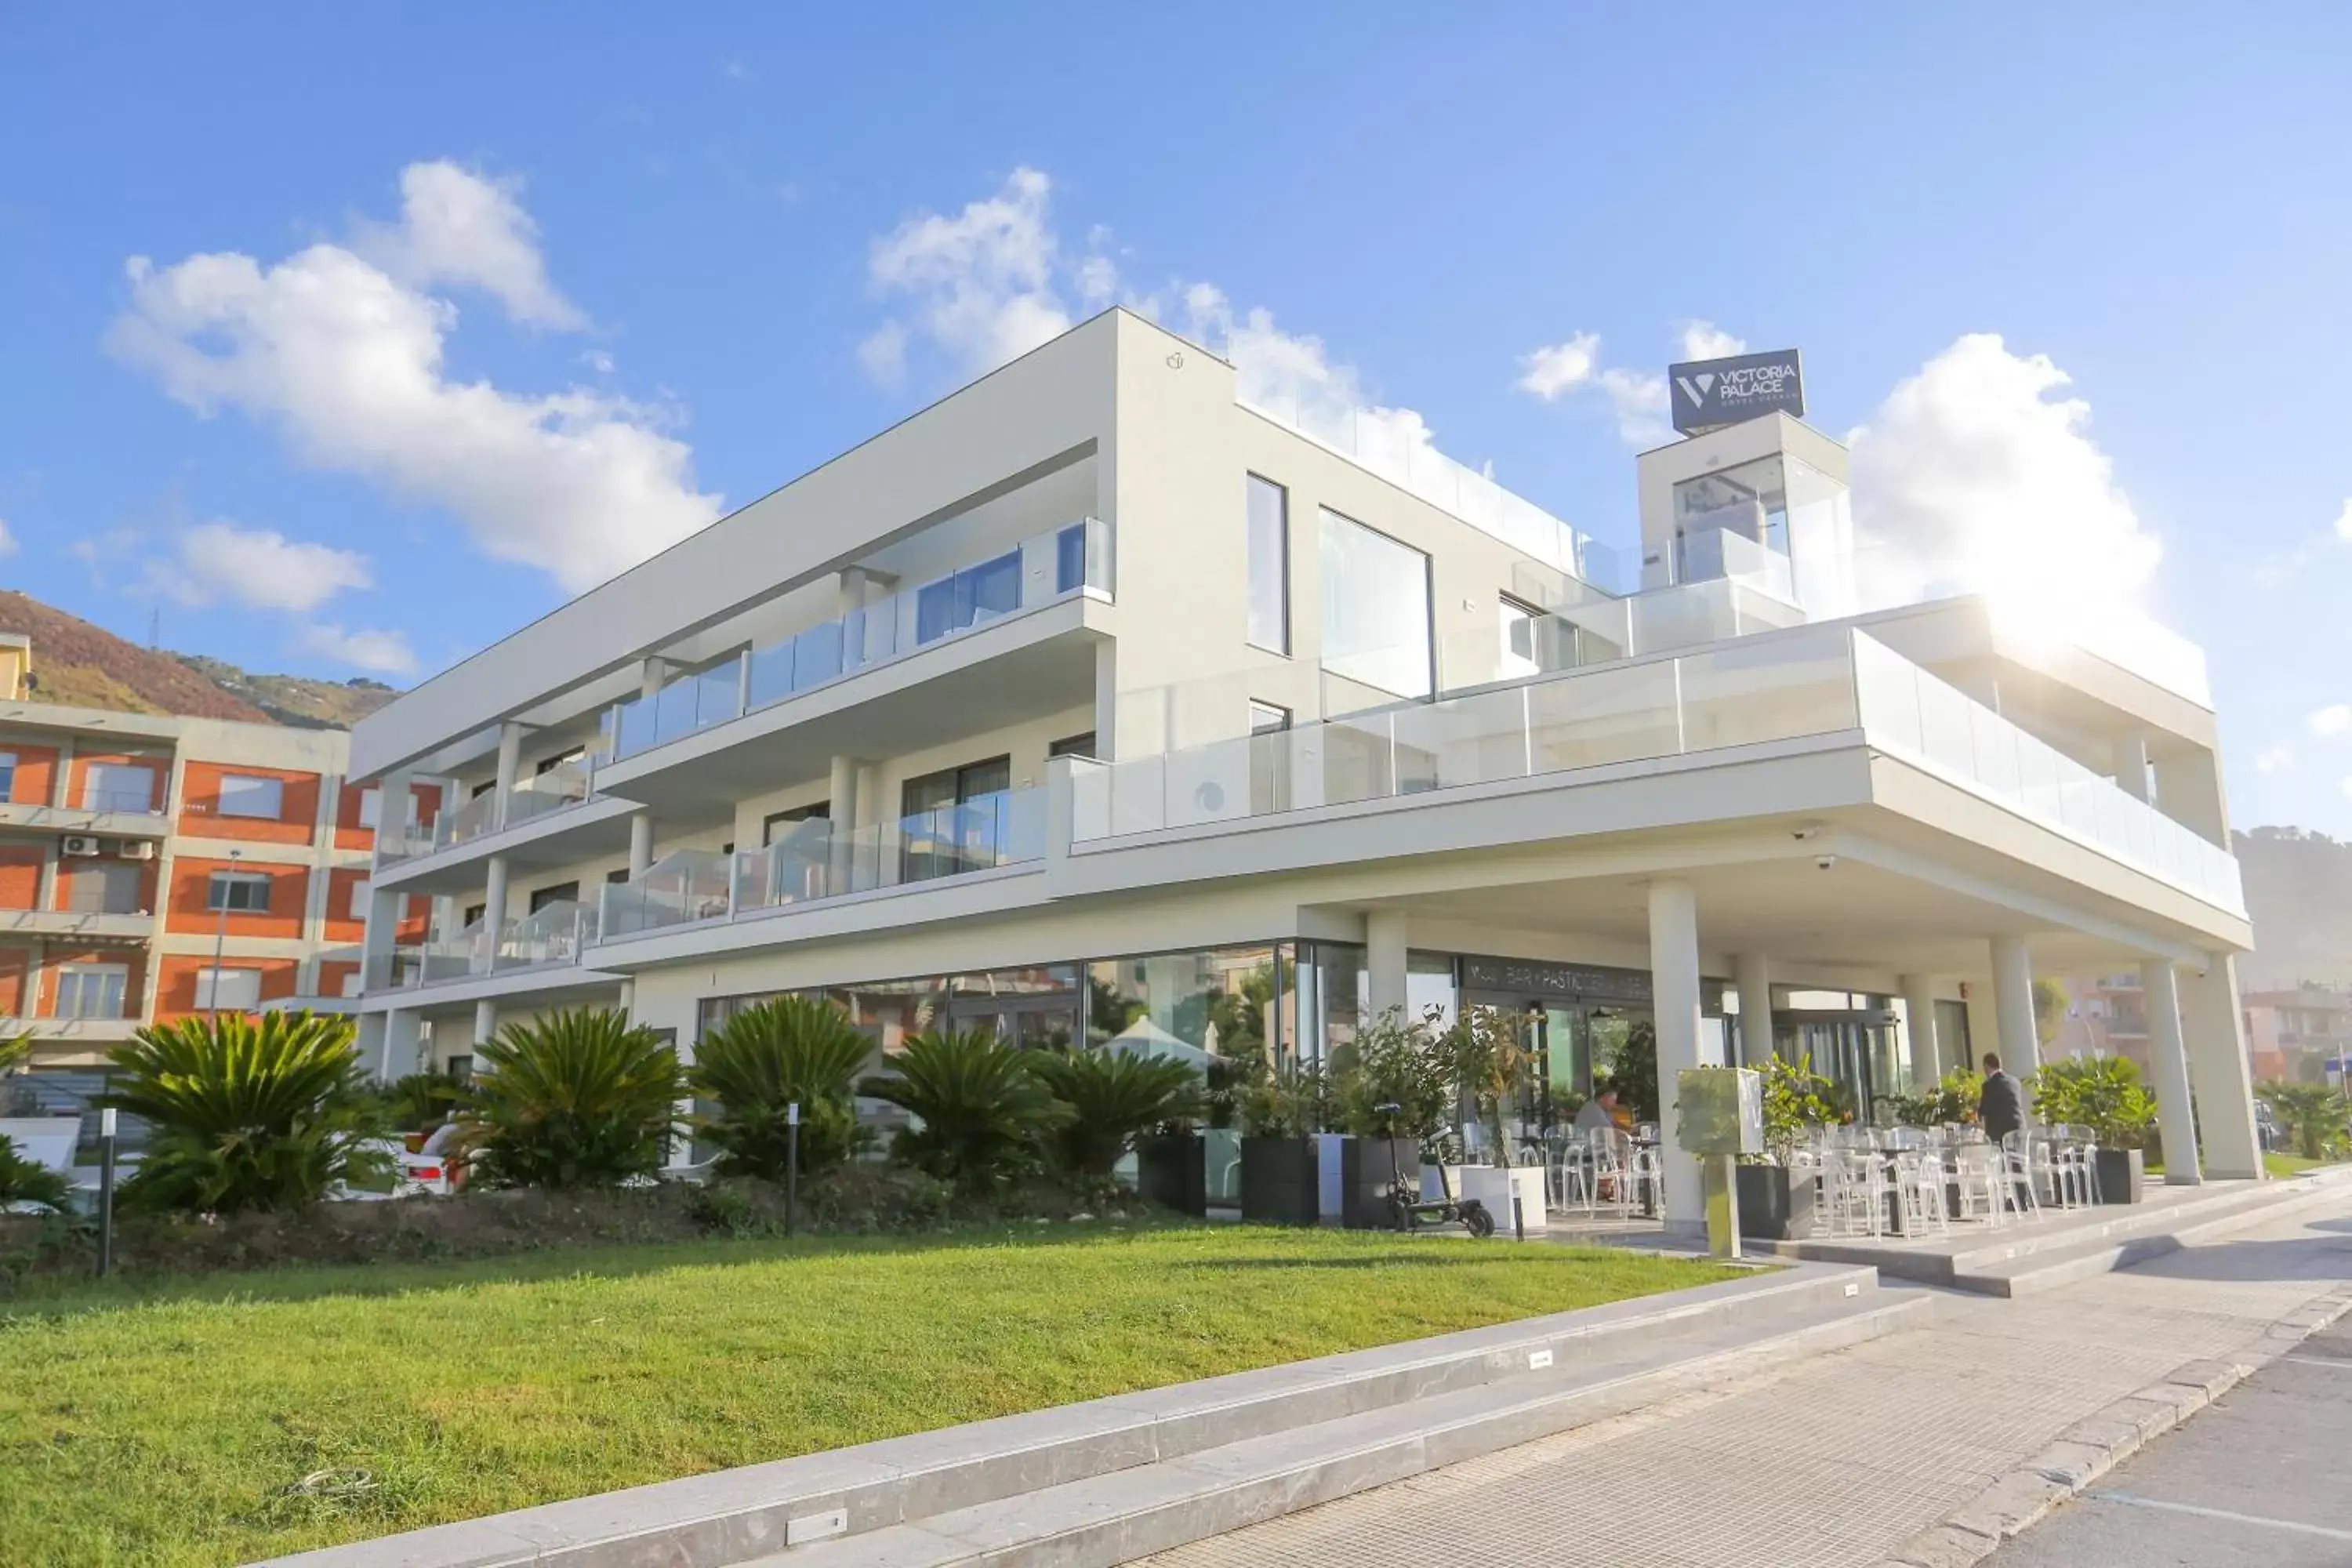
[1092, 703]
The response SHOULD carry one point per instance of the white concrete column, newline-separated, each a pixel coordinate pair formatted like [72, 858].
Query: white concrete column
[398, 1057]
[2012, 1004]
[652, 676]
[378, 939]
[391, 794]
[841, 807]
[852, 621]
[45, 896]
[2167, 1060]
[2133, 774]
[485, 1021]
[1752, 973]
[494, 897]
[1107, 738]
[368, 1041]
[641, 844]
[510, 769]
[61, 781]
[1919, 1023]
[1385, 958]
[1673, 984]
[2214, 1029]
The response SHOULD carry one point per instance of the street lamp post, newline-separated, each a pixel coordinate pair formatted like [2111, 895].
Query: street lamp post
[220, 940]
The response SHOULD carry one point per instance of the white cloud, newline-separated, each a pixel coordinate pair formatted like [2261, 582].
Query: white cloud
[347, 362]
[7, 539]
[2344, 522]
[2277, 760]
[1563, 367]
[1971, 478]
[982, 285]
[256, 567]
[457, 227]
[380, 652]
[1636, 398]
[2333, 720]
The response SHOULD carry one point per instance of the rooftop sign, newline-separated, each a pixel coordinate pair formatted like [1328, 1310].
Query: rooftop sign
[1707, 394]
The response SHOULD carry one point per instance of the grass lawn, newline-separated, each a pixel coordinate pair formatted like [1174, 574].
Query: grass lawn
[163, 1426]
[2274, 1163]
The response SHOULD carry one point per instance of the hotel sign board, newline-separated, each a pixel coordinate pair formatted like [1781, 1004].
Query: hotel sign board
[1708, 393]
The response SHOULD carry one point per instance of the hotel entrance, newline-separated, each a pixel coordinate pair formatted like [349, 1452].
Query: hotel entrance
[1854, 1045]
[1570, 1022]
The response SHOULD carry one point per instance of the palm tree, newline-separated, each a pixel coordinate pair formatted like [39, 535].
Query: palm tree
[2314, 1111]
[246, 1113]
[1112, 1097]
[575, 1098]
[768, 1058]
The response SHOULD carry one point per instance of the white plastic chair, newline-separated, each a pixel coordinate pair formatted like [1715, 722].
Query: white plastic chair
[2017, 1168]
[1977, 1173]
[1851, 1199]
[1920, 1175]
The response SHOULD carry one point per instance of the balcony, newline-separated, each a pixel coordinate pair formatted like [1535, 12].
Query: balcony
[549, 939]
[94, 925]
[1039, 570]
[91, 1029]
[106, 815]
[814, 863]
[559, 788]
[1808, 682]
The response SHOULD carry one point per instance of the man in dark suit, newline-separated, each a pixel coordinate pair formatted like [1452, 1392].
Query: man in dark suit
[2002, 1107]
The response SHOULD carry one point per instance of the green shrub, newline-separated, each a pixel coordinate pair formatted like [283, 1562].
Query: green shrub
[1392, 1062]
[23, 1182]
[1796, 1099]
[1111, 1096]
[1486, 1063]
[2314, 1112]
[1953, 1100]
[2101, 1093]
[983, 1113]
[424, 1100]
[269, 1113]
[1289, 1102]
[1630, 1068]
[766, 1058]
[579, 1099]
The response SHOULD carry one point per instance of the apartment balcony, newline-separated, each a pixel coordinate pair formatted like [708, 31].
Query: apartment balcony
[1782, 687]
[551, 939]
[986, 645]
[103, 815]
[56, 1030]
[84, 925]
[816, 864]
[553, 819]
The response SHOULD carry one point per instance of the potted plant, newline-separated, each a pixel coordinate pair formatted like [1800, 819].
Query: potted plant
[1280, 1185]
[1392, 1092]
[1775, 1203]
[2105, 1095]
[1487, 1065]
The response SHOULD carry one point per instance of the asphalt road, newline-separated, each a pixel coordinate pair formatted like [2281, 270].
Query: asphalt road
[2255, 1481]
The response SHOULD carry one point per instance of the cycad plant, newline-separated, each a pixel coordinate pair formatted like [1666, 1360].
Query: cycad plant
[1112, 1097]
[573, 1098]
[766, 1058]
[982, 1113]
[23, 1182]
[246, 1113]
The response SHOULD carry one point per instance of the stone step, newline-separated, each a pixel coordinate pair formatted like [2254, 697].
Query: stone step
[2051, 1267]
[1132, 1513]
[733, 1516]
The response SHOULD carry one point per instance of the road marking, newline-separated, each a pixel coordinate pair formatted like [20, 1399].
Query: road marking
[2223, 1513]
[2336, 1361]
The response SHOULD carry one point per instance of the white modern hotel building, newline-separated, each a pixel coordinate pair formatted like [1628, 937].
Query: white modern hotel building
[1093, 700]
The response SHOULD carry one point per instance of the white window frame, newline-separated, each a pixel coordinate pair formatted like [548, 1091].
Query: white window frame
[362, 891]
[9, 761]
[94, 789]
[257, 785]
[85, 975]
[236, 878]
[1279, 560]
[209, 983]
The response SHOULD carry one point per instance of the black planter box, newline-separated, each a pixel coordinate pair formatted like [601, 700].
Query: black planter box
[1366, 1178]
[1772, 1206]
[1278, 1181]
[2123, 1175]
[1173, 1172]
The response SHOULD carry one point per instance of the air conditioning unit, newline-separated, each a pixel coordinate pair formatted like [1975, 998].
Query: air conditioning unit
[137, 850]
[80, 843]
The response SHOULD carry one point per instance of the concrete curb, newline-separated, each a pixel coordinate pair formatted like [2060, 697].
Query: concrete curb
[2098, 1443]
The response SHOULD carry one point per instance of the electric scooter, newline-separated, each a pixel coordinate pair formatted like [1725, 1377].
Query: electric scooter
[1412, 1214]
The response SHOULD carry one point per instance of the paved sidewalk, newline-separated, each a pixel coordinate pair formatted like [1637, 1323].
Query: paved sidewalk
[1835, 1461]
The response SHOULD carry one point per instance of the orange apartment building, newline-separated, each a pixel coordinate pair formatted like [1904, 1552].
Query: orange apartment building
[154, 866]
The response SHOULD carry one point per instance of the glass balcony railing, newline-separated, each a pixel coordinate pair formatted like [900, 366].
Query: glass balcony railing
[813, 862]
[1037, 571]
[553, 935]
[1813, 681]
[565, 785]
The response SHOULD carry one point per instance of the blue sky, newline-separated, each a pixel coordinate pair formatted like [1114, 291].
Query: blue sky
[668, 260]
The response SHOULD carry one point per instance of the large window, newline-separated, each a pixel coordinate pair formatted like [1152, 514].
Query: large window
[104, 887]
[953, 821]
[228, 989]
[1375, 609]
[7, 776]
[1228, 1003]
[562, 893]
[118, 786]
[92, 990]
[1269, 564]
[245, 892]
[245, 795]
